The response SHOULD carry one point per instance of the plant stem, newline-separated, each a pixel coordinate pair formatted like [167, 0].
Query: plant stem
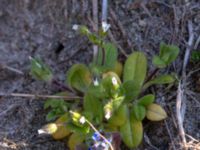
[95, 27]
[104, 10]
[103, 56]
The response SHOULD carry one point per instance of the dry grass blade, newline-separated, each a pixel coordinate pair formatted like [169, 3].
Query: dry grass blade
[40, 96]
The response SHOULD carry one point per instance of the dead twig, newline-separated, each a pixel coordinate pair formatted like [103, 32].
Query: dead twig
[95, 25]
[35, 96]
[3, 66]
[181, 95]
[104, 10]
[188, 49]
[179, 113]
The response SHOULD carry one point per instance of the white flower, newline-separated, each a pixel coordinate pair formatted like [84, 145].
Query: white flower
[82, 120]
[41, 131]
[75, 27]
[48, 129]
[96, 82]
[105, 26]
[114, 81]
[108, 115]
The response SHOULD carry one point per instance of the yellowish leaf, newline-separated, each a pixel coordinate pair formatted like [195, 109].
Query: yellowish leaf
[74, 140]
[155, 112]
[62, 130]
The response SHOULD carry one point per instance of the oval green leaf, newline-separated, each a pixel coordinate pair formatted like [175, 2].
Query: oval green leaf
[40, 71]
[138, 112]
[168, 53]
[119, 117]
[155, 112]
[146, 100]
[162, 79]
[93, 106]
[131, 90]
[74, 140]
[135, 68]
[79, 77]
[110, 56]
[132, 133]
[158, 62]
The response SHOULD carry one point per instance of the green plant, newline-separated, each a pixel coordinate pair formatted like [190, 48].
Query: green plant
[195, 56]
[109, 100]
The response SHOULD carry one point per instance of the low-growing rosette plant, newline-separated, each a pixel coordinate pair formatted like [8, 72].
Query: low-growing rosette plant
[108, 95]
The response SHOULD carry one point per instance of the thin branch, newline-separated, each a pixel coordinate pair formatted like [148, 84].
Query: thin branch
[188, 50]
[40, 96]
[104, 10]
[11, 69]
[95, 25]
[179, 115]
[181, 95]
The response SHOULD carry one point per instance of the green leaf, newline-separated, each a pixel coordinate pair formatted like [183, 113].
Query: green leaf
[138, 111]
[168, 53]
[110, 56]
[75, 139]
[158, 62]
[51, 116]
[131, 90]
[58, 106]
[56, 102]
[40, 71]
[162, 79]
[195, 56]
[79, 77]
[78, 129]
[93, 106]
[135, 68]
[146, 100]
[97, 91]
[132, 132]
[119, 117]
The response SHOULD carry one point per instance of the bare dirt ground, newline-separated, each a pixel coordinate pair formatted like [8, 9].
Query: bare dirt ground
[44, 29]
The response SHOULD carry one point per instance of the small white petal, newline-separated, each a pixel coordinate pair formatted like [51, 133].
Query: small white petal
[40, 131]
[104, 145]
[82, 120]
[96, 82]
[108, 115]
[75, 27]
[105, 26]
[114, 81]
